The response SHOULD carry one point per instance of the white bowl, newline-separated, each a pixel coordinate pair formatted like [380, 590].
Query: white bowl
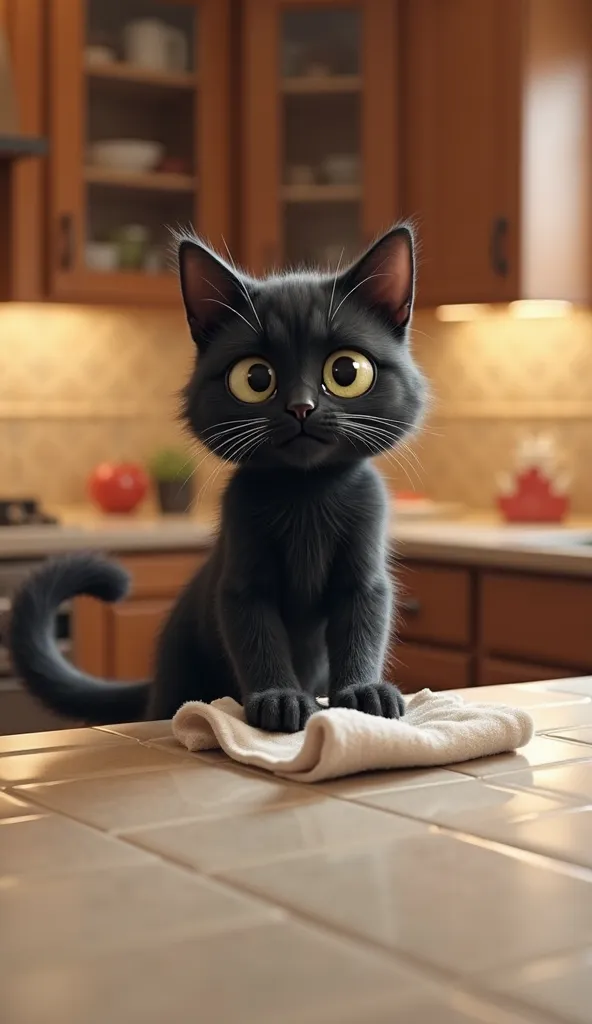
[101, 256]
[133, 155]
[342, 168]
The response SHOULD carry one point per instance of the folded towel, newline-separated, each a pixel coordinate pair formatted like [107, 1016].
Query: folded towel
[438, 729]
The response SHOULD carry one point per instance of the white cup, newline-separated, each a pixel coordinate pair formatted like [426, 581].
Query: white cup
[150, 43]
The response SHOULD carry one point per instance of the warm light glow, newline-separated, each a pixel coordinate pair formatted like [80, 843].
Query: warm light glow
[467, 311]
[537, 309]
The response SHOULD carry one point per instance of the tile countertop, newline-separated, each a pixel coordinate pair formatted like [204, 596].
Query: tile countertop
[140, 883]
[473, 539]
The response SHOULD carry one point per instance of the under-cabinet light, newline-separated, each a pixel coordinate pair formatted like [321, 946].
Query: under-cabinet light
[536, 309]
[464, 311]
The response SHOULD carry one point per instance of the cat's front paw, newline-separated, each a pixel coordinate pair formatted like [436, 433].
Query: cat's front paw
[280, 710]
[381, 699]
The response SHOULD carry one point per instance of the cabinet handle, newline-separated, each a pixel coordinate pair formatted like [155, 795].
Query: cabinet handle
[499, 234]
[66, 241]
[410, 605]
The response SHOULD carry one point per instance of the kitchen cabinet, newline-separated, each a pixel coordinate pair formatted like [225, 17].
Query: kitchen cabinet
[497, 154]
[496, 671]
[537, 618]
[22, 181]
[156, 71]
[319, 132]
[415, 666]
[118, 641]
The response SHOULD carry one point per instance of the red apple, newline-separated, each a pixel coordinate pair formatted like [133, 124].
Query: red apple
[117, 486]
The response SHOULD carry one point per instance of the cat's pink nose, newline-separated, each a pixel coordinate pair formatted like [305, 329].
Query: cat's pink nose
[301, 409]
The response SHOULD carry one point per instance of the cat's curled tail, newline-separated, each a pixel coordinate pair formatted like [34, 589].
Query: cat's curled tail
[37, 658]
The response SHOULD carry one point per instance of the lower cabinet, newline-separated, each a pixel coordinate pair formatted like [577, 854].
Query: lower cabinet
[456, 626]
[118, 641]
[493, 671]
[414, 667]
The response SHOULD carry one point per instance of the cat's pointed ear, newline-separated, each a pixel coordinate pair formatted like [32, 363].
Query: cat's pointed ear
[383, 278]
[210, 288]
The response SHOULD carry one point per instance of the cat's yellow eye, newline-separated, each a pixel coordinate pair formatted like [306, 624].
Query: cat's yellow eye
[252, 380]
[348, 374]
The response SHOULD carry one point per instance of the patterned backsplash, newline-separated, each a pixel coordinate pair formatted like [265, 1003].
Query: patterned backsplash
[79, 385]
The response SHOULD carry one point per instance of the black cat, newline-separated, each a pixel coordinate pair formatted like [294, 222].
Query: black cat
[299, 380]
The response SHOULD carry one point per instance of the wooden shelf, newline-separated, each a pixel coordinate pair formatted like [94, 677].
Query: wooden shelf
[306, 85]
[154, 181]
[118, 71]
[321, 193]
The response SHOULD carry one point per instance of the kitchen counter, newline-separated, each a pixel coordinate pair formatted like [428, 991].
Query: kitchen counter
[140, 883]
[471, 539]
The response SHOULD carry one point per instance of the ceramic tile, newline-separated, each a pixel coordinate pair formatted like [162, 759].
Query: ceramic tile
[11, 807]
[570, 780]
[581, 735]
[456, 904]
[120, 802]
[522, 695]
[473, 808]
[28, 742]
[48, 845]
[457, 1008]
[561, 716]
[217, 845]
[172, 746]
[138, 730]
[561, 986]
[273, 972]
[566, 836]
[86, 914]
[53, 765]
[356, 786]
[541, 750]
[580, 685]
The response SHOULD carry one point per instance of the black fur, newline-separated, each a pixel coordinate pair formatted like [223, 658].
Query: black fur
[295, 599]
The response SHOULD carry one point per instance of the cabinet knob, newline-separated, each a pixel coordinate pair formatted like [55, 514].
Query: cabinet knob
[497, 252]
[66, 241]
[410, 605]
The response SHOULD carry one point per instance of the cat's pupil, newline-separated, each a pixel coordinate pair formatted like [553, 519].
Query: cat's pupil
[345, 371]
[259, 377]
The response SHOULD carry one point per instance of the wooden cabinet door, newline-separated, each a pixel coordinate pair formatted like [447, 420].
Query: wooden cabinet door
[493, 671]
[413, 667]
[132, 632]
[107, 233]
[319, 129]
[118, 641]
[536, 619]
[22, 183]
[460, 146]
[433, 603]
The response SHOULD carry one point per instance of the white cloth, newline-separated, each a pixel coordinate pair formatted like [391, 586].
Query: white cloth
[437, 729]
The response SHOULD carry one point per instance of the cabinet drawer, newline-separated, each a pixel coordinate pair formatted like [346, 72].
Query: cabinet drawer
[493, 671]
[537, 618]
[161, 575]
[433, 603]
[413, 667]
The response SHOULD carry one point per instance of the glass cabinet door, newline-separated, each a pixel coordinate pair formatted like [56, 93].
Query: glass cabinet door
[132, 169]
[321, 185]
[320, 179]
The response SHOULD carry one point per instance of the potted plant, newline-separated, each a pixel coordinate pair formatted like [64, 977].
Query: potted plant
[172, 471]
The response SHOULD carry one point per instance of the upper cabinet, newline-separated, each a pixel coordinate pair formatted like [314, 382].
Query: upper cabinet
[319, 133]
[138, 124]
[496, 147]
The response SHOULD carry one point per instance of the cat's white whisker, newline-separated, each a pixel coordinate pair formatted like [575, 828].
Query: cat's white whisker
[329, 317]
[232, 310]
[241, 285]
[352, 290]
